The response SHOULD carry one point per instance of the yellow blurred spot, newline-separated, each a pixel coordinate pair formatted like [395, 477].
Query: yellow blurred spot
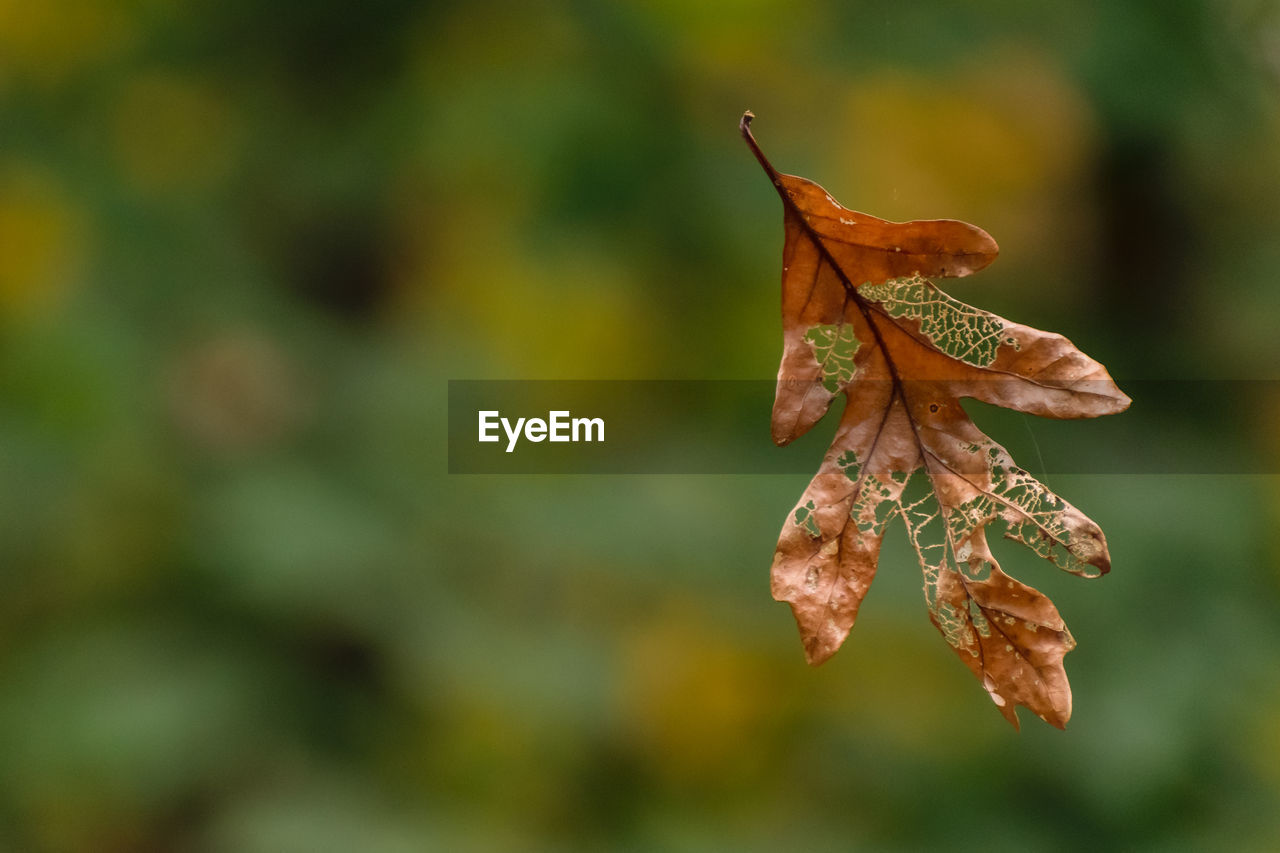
[1259, 744]
[721, 35]
[46, 41]
[489, 752]
[42, 240]
[967, 137]
[173, 134]
[1008, 145]
[698, 706]
[554, 309]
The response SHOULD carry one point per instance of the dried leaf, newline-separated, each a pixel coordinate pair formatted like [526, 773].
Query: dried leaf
[862, 318]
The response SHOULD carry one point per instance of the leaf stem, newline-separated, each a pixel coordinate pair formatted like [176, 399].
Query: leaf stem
[745, 127]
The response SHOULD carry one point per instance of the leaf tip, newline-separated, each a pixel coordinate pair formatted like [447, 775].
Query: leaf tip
[745, 124]
[980, 249]
[1058, 715]
[817, 652]
[1058, 719]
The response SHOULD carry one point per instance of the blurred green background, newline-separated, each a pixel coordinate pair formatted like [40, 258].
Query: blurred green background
[243, 245]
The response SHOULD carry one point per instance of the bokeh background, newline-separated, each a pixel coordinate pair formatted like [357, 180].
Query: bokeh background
[244, 245]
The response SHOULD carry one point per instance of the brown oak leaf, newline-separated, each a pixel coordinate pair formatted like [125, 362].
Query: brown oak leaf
[861, 317]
